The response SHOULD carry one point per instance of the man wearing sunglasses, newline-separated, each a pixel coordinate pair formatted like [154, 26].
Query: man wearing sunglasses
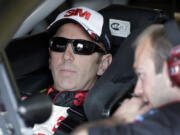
[79, 52]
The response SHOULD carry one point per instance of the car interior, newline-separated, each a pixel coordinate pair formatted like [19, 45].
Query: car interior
[119, 77]
[28, 55]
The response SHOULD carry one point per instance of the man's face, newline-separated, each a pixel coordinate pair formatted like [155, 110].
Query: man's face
[151, 87]
[72, 71]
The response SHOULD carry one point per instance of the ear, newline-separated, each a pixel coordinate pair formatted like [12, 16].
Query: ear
[166, 74]
[104, 63]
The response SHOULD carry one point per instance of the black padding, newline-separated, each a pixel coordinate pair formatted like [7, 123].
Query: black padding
[31, 84]
[28, 54]
[138, 17]
[173, 32]
[118, 77]
[103, 102]
[28, 57]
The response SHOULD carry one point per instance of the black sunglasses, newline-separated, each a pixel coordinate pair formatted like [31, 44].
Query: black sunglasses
[79, 46]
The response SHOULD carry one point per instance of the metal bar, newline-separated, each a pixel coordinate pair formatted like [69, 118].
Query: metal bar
[9, 100]
[3, 125]
[38, 15]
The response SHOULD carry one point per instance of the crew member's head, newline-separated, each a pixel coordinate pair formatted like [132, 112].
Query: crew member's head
[79, 49]
[154, 84]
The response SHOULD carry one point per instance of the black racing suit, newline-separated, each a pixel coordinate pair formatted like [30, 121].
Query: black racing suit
[161, 121]
[69, 115]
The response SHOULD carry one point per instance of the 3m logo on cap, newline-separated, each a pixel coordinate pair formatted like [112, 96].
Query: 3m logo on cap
[119, 28]
[78, 12]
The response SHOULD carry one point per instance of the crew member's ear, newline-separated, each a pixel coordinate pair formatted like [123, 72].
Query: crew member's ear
[104, 63]
[166, 74]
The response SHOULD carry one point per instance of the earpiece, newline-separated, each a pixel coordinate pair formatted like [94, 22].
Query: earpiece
[173, 61]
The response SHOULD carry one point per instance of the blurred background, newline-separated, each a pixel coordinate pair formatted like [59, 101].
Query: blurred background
[168, 6]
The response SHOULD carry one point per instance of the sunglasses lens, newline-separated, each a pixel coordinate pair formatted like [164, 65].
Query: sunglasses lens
[83, 47]
[58, 44]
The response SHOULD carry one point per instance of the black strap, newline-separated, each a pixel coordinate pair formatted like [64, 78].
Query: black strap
[76, 117]
[173, 32]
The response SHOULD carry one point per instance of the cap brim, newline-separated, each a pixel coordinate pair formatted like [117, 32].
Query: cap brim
[53, 29]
